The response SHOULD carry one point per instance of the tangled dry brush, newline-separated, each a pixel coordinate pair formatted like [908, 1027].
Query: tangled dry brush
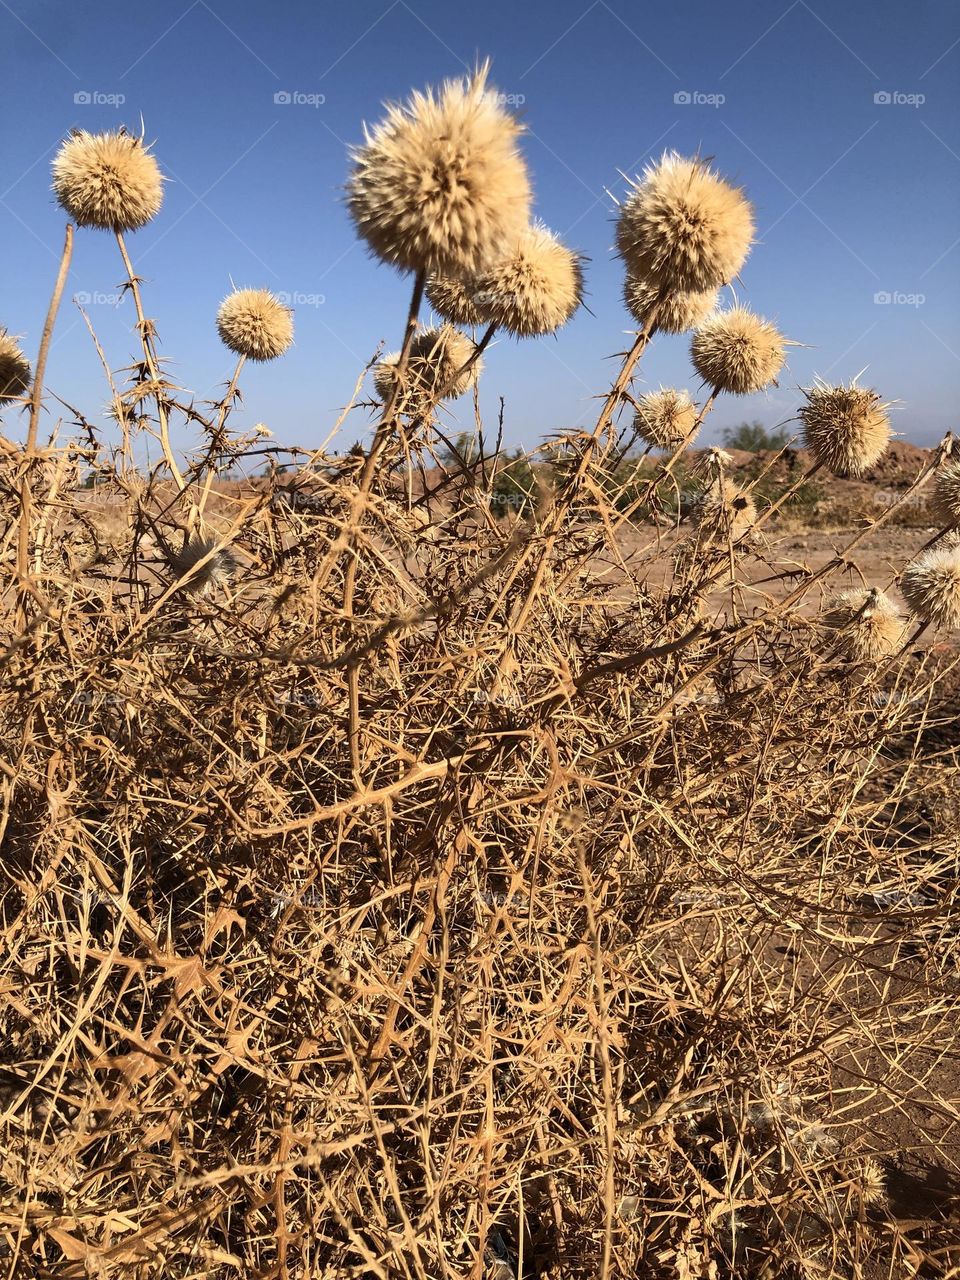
[396, 883]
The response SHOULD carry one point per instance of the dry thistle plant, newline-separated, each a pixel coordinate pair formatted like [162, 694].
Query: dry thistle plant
[416, 870]
[737, 352]
[15, 371]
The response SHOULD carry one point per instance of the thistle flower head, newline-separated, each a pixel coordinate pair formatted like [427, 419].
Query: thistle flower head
[845, 428]
[869, 624]
[871, 1181]
[255, 323]
[107, 180]
[683, 226]
[723, 513]
[440, 185]
[433, 371]
[946, 493]
[452, 298]
[931, 586]
[678, 311]
[665, 419]
[534, 288]
[737, 352]
[218, 571]
[15, 371]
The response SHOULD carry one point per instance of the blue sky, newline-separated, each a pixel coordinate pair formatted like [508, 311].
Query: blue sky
[855, 196]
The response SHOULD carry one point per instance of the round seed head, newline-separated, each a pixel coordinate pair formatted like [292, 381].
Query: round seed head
[218, 571]
[737, 351]
[433, 369]
[107, 180]
[254, 323]
[683, 226]
[15, 371]
[677, 312]
[868, 621]
[931, 586]
[665, 418]
[534, 288]
[452, 298]
[845, 428]
[723, 513]
[946, 493]
[871, 1181]
[440, 184]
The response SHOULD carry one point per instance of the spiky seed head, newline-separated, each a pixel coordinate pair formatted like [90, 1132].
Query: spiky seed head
[868, 621]
[452, 299]
[931, 586]
[15, 373]
[217, 572]
[107, 180]
[678, 311]
[845, 427]
[723, 512]
[534, 288]
[871, 1181]
[683, 227]
[665, 419]
[737, 352]
[440, 184]
[255, 323]
[946, 493]
[433, 369]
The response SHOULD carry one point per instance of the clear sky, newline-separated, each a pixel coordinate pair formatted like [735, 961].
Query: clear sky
[840, 119]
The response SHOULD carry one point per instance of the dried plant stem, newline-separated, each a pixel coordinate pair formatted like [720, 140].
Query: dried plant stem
[145, 329]
[46, 338]
[36, 398]
[223, 412]
[384, 428]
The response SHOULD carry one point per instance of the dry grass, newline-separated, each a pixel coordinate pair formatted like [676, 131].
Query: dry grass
[397, 890]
